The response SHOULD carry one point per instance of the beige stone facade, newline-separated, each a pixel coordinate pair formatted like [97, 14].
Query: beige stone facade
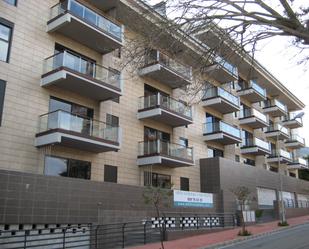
[25, 100]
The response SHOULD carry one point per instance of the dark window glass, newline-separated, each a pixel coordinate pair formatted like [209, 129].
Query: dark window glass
[247, 138]
[292, 174]
[112, 121]
[184, 142]
[57, 166]
[151, 134]
[2, 94]
[273, 169]
[157, 180]
[184, 184]
[237, 158]
[110, 173]
[212, 152]
[12, 2]
[249, 162]
[5, 41]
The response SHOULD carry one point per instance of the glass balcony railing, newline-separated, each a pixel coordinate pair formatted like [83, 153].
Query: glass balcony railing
[71, 122]
[275, 102]
[278, 127]
[248, 113]
[281, 153]
[296, 138]
[166, 102]
[252, 142]
[257, 88]
[83, 66]
[150, 148]
[212, 127]
[228, 66]
[220, 92]
[87, 15]
[155, 56]
[301, 161]
[291, 116]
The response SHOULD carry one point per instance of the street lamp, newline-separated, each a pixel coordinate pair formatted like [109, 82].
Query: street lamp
[282, 208]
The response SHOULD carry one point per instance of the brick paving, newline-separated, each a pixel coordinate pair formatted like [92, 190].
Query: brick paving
[200, 241]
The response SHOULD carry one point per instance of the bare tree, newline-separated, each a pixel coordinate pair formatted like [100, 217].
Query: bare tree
[159, 198]
[243, 197]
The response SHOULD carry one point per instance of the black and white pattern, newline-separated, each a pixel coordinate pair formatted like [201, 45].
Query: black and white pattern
[188, 221]
[211, 222]
[156, 222]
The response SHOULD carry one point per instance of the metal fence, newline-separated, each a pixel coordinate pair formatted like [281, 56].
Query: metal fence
[291, 203]
[120, 235]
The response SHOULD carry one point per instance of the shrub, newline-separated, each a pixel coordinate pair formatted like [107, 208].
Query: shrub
[283, 224]
[258, 213]
[244, 233]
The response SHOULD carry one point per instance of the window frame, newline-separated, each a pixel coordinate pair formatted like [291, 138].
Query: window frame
[106, 166]
[9, 25]
[183, 183]
[2, 97]
[68, 163]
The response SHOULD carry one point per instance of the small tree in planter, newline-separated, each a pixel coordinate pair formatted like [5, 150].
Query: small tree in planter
[159, 199]
[243, 197]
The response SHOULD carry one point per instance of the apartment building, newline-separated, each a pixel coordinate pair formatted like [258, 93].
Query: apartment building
[73, 119]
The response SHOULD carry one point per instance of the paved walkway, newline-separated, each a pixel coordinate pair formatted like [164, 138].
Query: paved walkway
[200, 241]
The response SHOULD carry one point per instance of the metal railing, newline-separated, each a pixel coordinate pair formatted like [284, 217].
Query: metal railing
[87, 15]
[155, 56]
[300, 161]
[278, 127]
[291, 203]
[225, 64]
[212, 127]
[83, 66]
[159, 100]
[251, 142]
[296, 138]
[72, 122]
[220, 92]
[118, 235]
[250, 112]
[146, 148]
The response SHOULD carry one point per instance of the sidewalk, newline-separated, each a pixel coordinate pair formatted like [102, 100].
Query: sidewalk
[201, 241]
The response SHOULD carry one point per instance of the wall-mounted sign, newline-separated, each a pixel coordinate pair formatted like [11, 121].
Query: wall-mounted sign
[192, 199]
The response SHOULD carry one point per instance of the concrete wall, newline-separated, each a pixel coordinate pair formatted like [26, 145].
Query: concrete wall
[220, 175]
[35, 199]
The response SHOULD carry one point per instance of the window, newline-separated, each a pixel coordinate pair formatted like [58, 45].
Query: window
[6, 29]
[212, 152]
[57, 166]
[112, 121]
[237, 158]
[12, 2]
[273, 169]
[157, 180]
[184, 184]
[2, 94]
[292, 174]
[110, 173]
[184, 142]
[247, 138]
[249, 162]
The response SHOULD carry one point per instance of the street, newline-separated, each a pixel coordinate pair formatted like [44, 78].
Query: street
[293, 238]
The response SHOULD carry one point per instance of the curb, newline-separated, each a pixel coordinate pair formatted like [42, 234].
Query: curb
[252, 237]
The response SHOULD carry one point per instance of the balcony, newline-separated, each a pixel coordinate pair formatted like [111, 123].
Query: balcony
[160, 67]
[85, 26]
[221, 132]
[253, 118]
[220, 100]
[295, 142]
[291, 123]
[299, 163]
[275, 108]
[222, 71]
[164, 153]
[164, 109]
[277, 130]
[282, 155]
[71, 72]
[74, 131]
[252, 92]
[255, 146]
